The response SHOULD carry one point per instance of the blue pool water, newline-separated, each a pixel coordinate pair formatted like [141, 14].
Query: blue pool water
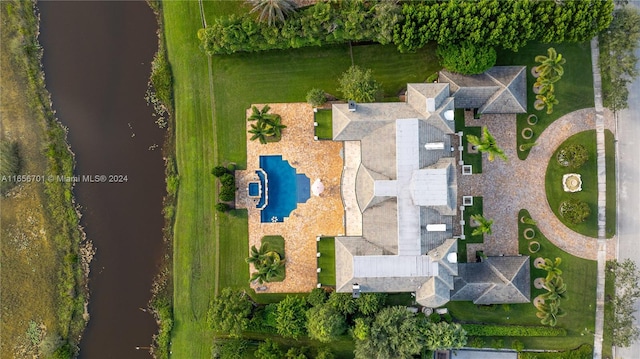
[284, 188]
[254, 189]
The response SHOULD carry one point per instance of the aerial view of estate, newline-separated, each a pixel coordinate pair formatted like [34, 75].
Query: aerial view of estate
[320, 179]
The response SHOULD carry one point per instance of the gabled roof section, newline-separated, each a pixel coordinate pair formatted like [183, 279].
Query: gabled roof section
[368, 117]
[425, 98]
[365, 188]
[496, 280]
[501, 89]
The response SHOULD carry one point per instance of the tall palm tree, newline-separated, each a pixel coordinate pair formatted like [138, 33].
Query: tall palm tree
[260, 115]
[272, 10]
[484, 225]
[552, 268]
[487, 144]
[550, 65]
[557, 289]
[549, 311]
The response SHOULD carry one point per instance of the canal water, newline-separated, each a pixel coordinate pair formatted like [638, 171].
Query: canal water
[97, 60]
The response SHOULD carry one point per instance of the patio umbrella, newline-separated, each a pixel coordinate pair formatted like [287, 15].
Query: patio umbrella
[317, 187]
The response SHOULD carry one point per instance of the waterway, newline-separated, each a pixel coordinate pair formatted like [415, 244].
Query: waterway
[97, 61]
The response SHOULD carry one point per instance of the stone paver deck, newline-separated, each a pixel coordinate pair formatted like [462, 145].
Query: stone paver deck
[507, 187]
[320, 215]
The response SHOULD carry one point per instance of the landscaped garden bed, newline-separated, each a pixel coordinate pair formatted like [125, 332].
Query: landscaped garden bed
[578, 210]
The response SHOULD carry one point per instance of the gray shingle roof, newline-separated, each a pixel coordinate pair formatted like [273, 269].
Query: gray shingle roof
[495, 280]
[501, 89]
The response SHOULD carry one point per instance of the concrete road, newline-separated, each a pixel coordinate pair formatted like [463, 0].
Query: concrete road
[629, 189]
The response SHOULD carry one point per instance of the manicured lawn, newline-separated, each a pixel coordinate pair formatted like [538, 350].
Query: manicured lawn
[580, 277]
[194, 229]
[327, 262]
[574, 91]
[473, 159]
[238, 81]
[610, 156]
[589, 193]
[324, 130]
[476, 208]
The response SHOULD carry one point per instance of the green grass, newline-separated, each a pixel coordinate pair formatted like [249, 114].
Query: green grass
[476, 208]
[580, 276]
[589, 193]
[610, 160]
[324, 130]
[194, 243]
[239, 80]
[574, 91]
[473, 159]
[327, 262]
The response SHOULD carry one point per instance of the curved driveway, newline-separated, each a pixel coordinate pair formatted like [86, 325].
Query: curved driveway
[507, 187]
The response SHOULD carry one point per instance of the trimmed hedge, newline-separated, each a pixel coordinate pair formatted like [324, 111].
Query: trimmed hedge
[481, 330]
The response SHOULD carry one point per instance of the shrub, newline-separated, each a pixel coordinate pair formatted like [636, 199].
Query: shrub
[316, 97]
[316, 297]
[573, 156]
[227, 180]
[218, 171]
[476, 342]
[574, 210]
[222, 207]
[447, 317]
[497, 343]
[435, 317]
[227, 194]
[517, 346]
[480, 330]
[467, 58]
[358, 85]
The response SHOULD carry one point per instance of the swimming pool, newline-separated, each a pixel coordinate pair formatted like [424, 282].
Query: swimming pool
[285, 188]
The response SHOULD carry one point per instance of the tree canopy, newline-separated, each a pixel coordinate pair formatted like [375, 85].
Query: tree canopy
[325, 323]
[358, 84]
[291, 317]
[617, 57]
[467, 58]
[393, 334]
[626, 279]
[229, 312]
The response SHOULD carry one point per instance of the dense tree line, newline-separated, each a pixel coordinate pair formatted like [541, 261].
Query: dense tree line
[506, 24]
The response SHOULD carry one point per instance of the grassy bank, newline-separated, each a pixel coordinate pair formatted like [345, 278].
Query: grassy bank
[44, 259]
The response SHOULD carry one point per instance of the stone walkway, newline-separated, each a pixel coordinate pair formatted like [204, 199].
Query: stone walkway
[507, 187]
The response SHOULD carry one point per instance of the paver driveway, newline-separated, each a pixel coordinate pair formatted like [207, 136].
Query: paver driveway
[508, 187]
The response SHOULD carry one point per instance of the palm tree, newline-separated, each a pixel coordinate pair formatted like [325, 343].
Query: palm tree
[487, 144]
[259, 115]
[267, 262]
[274, 125]
[256, 256]
[272, 10]
[259, 132]
[550, 65]
[548, 100]
[552, 268]
[557, 289]
[484, 225]
[545, 84]
[549, 311]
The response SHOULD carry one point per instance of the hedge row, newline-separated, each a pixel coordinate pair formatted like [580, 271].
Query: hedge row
[481, 330]
[507, 24]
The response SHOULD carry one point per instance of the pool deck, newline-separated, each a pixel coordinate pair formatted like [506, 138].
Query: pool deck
[320, 215]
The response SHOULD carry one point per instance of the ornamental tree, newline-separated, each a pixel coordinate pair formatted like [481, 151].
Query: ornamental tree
[229, 312]
[467, 58]
[357, 84]
[325, 323]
